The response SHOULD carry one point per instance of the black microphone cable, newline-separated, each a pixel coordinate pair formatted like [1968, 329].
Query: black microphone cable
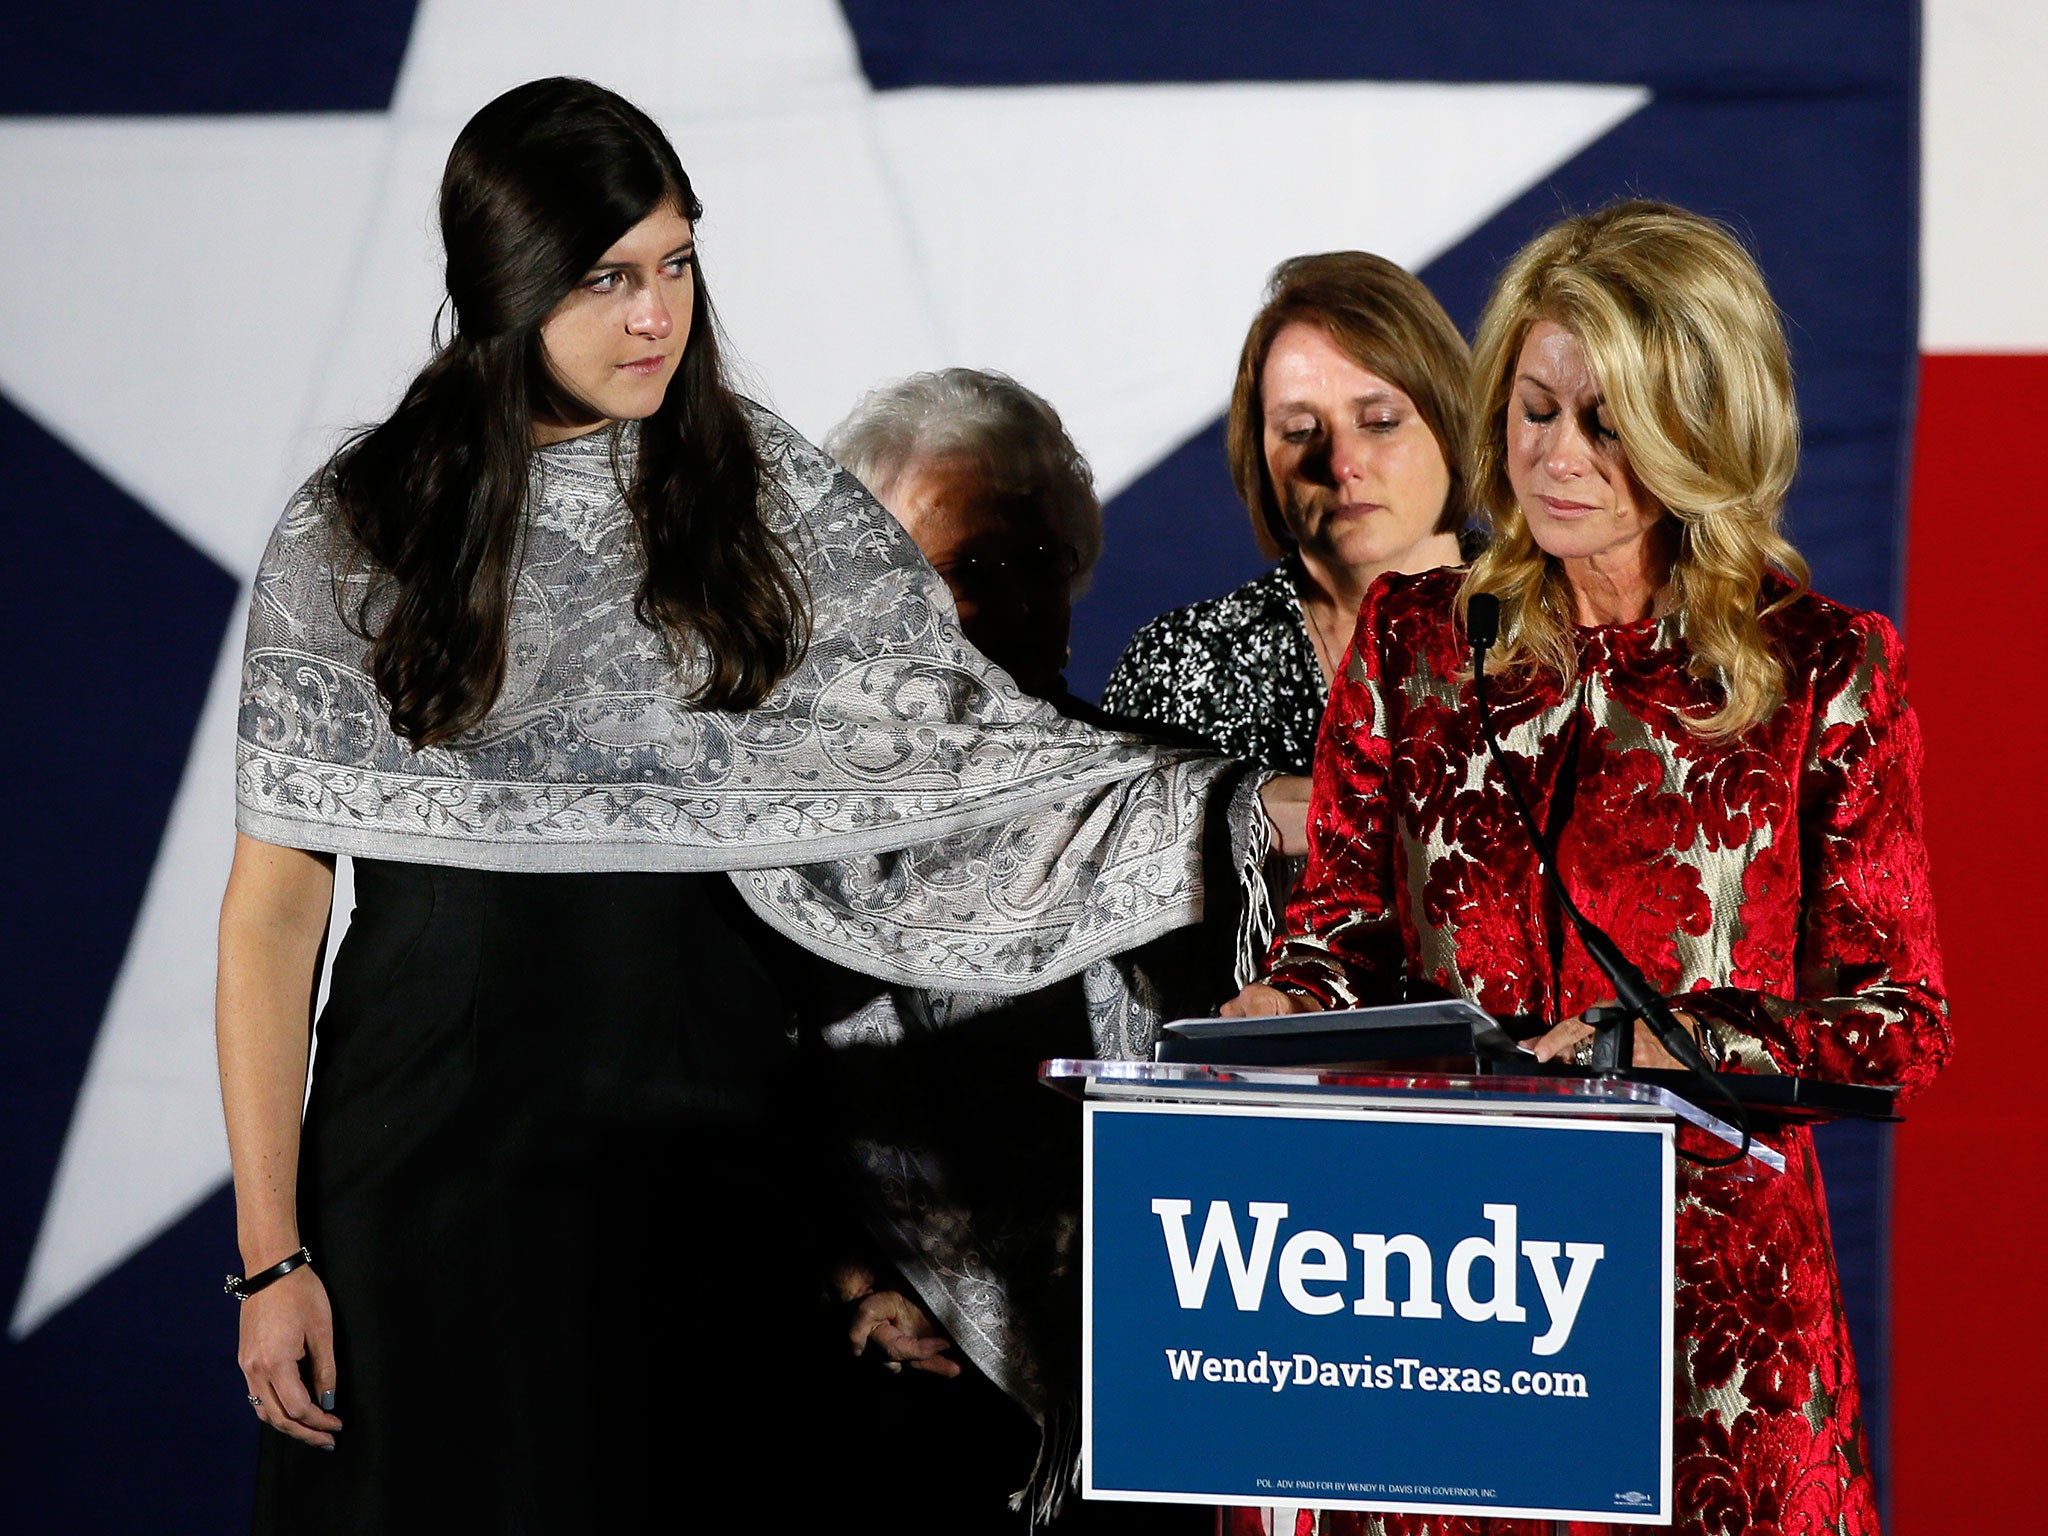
[1632, 989]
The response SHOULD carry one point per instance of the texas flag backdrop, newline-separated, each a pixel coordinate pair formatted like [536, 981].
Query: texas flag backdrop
[216, 254]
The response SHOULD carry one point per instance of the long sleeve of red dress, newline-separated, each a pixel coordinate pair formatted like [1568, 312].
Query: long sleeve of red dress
[1777, 883]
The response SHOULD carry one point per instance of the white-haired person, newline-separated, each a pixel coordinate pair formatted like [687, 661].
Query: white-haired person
[1730, 769]
[982, 475]
[970, 1169]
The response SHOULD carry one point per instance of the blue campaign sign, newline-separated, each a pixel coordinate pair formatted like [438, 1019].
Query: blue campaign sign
[1394, 1310]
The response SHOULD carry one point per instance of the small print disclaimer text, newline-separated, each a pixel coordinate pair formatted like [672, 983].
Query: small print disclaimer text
[1391, 1490]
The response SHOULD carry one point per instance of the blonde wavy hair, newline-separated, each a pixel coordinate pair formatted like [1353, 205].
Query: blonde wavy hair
[1690, 353]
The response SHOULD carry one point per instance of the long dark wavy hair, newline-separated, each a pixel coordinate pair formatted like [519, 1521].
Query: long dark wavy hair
[540, 184]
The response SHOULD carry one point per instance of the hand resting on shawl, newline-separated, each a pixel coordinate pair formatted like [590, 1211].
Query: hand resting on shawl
[904, 1331]
[892, 1321]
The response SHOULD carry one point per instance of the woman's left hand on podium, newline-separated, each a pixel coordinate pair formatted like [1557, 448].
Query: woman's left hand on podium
[1564, 1039]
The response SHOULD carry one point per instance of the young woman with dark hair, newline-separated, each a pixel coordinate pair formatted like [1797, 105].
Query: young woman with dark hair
[539, 183]
[610, 686]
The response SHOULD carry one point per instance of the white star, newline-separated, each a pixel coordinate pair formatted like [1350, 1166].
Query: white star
[1105, 244]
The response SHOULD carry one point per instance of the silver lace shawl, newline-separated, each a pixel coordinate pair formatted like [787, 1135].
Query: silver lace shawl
[896, 803]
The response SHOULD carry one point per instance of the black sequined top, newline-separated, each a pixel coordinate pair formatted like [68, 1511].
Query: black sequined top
[1238, 671]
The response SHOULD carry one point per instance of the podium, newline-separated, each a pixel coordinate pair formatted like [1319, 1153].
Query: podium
[1380, 1290]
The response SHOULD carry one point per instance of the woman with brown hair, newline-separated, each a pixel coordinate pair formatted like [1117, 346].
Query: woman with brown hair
[1729, 769]
[1347, 438]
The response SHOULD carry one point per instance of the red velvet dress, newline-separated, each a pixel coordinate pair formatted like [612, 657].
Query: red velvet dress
[1778, 882]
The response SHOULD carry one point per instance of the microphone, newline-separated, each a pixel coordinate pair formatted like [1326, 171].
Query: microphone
[1637, 998]
[1482, 625]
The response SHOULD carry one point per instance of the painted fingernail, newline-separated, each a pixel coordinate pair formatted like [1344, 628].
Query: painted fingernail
[328, 1446]
[327, 1400]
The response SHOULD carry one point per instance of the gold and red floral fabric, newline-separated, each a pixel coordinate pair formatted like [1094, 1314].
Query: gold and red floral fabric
[1777, 881]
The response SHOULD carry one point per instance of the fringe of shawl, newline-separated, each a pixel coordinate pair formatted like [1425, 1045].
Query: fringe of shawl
[1056, 1475]
[1252, 837]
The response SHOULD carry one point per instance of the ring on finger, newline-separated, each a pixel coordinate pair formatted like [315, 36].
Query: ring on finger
[255, 1401]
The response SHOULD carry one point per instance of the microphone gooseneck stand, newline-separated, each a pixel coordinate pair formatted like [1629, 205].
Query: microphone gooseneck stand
[1614, 1029]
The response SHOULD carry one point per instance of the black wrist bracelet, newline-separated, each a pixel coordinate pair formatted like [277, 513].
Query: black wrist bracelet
[243, 1288]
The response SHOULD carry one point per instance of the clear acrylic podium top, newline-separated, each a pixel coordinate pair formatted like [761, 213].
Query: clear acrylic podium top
[1441, 1092]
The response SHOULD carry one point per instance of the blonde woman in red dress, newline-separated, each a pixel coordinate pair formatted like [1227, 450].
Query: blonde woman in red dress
[1730, 769]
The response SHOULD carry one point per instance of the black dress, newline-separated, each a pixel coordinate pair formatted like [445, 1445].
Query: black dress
[551, 1183]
